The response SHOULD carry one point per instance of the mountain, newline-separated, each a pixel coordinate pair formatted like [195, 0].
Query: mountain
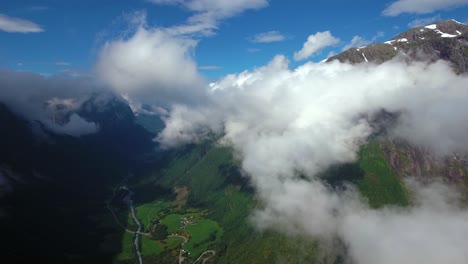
[446, 40]
[118, 126]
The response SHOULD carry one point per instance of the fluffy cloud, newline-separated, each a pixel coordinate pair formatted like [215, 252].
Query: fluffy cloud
[289, 125]
[267, 37]
[18, 25]
[314, 44]
[434, 230]
[420, 6]
[152, 61]
[315, 95]
[47, 100]
[156, 65]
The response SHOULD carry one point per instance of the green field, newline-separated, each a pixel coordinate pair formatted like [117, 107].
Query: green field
[173, 242]
[149, 211]
[215, 186]
[150, 247]
[203, 234]
[172, 222]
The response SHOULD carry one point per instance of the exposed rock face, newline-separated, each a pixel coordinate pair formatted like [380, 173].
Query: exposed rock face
[447, 40]
[408, 160]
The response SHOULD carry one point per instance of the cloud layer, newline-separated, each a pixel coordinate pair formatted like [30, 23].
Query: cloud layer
[288, 125]
[314, 44]
[420, 6]
[18, 25]
[48, 100]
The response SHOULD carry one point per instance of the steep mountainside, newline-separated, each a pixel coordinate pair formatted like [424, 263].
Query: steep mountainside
[446, 40]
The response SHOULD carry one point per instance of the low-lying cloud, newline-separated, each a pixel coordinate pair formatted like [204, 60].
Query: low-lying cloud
[289, 125]
[48, 100]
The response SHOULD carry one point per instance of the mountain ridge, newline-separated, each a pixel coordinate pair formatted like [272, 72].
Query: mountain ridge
[446, 39]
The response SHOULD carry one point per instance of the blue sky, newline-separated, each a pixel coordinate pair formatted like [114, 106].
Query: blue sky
[69, 35]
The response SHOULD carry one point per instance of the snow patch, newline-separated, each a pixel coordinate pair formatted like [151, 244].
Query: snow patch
[442, 34]
[445, 35]
[458, 32]
[390, 42]
[422, 38]
[395, 48]
[422, 30]
[458, 22]
[364, 57]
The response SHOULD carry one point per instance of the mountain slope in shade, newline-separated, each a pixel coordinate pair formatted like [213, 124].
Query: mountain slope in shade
[447, 40]
[53, 187]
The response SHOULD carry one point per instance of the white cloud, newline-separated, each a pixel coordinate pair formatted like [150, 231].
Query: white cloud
[314, 44]
[287, 125]
[18, 25]
[267, 37]
[158, 62]
[208, 13]
[421, 6]
[423, 21]
[76, 127]
[149, 62]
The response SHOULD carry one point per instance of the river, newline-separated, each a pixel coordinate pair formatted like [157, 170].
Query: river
[136, 242]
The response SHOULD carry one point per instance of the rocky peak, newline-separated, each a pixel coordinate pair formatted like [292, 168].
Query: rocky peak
[447, 40]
